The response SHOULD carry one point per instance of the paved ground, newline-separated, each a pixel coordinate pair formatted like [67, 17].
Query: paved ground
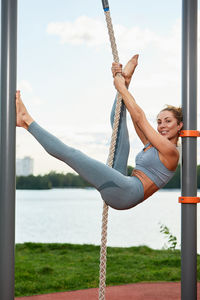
[138, 291]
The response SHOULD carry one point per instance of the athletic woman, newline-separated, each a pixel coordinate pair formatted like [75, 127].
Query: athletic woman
[155, 164]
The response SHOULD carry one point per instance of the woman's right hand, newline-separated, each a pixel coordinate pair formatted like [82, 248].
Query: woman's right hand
[23, 119]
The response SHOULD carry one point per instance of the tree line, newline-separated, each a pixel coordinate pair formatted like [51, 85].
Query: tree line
[60, 180]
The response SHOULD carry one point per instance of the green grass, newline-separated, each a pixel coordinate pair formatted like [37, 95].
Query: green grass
[47, 268]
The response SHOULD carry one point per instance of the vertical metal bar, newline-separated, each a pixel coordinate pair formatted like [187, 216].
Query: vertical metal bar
[7, 147]
[189, 148]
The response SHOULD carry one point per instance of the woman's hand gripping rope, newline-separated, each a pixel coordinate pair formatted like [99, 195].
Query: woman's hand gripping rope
[118, 75]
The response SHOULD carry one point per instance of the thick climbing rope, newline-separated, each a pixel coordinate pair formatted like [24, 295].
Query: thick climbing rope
[110, 161]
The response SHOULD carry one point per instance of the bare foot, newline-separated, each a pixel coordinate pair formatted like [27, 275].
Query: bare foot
[23, 119]
[129, 69]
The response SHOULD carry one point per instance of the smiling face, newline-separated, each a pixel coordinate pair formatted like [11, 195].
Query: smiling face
[167, 125]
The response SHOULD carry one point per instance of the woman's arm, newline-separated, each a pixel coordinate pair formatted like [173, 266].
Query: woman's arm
[140, 134]
[164, 146]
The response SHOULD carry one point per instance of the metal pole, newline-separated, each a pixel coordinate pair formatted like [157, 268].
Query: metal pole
[189, 148]
[7, 147]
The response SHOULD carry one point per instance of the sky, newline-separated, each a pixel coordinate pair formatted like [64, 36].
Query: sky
[64, 70]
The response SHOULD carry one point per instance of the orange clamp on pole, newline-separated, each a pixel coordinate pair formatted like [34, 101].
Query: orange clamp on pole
[189, 200]
[189, 133]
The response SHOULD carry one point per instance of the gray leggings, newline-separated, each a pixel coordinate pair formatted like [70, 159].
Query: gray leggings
[116, 188]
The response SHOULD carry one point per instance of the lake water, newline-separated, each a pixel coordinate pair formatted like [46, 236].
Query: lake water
[74, 216]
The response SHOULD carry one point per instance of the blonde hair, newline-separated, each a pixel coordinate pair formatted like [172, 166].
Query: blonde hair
[177, 112]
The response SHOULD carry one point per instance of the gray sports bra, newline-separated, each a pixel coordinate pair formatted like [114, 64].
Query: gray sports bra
[150, 164]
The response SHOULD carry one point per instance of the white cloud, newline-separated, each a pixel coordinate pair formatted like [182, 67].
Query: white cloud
[83, 30]
[93, 32]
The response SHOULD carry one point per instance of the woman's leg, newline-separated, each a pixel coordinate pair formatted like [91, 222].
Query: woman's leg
[117, 190]
[122, 146]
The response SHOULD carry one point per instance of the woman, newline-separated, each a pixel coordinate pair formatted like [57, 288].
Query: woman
[155, 164]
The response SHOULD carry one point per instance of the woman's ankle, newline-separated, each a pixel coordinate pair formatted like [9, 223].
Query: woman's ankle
[27, 119]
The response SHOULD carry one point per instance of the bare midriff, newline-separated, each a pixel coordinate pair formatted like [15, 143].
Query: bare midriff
[149, 186]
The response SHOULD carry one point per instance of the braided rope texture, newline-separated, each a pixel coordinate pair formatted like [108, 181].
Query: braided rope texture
[103, 251]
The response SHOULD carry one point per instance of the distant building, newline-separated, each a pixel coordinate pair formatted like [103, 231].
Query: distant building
[24, 166]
